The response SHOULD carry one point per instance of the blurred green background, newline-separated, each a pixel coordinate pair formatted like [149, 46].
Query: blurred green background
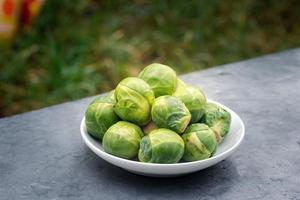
[80, 48]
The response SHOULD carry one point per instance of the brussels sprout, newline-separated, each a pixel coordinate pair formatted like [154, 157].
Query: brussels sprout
[193, 98]
[100, 115]
[134, 98]
[123, 140]
[161, 146]
[149, 127]
[200, 142]
[161, 78]
[169, 112]
[217, 119]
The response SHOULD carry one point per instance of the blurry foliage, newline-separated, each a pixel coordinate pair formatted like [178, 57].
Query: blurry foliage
[84, 47]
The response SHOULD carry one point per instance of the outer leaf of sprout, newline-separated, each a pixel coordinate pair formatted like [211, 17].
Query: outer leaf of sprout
[123, 140]
[161, 146]
[193, 98]
[134, 98]
[161, 78]
[200, 142]
[169, 112]
[100, 115]
[217, 119]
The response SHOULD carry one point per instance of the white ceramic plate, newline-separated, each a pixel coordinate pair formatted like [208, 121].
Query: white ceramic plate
[226, 148]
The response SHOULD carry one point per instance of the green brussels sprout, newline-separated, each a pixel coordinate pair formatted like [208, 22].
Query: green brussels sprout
[149, 127]
[134, 98]
[193, 98]
[123, 140]
[161, 78]
[161, 146]
[217, 119]
[99, 115]
[169, 112]
[200, 142]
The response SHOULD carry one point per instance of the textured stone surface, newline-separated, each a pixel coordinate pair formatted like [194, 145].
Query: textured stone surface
[43, 157]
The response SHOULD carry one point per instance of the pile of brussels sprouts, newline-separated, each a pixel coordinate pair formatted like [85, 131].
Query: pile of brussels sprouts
[157, 118]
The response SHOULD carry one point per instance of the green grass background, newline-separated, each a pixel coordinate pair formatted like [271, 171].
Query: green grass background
[84, 47]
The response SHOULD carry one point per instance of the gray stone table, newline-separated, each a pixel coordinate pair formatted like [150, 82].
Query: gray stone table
[42, 155]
